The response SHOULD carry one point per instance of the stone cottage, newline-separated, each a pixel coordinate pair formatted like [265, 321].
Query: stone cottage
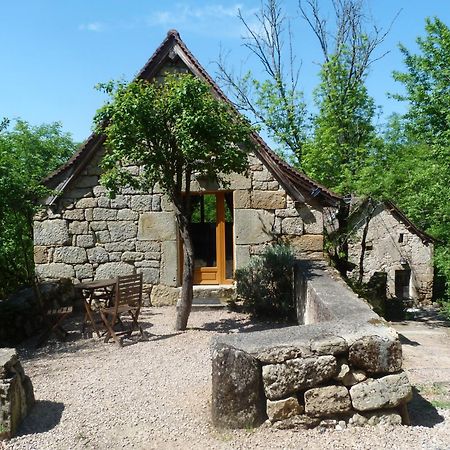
[386, 244]
[82, 234]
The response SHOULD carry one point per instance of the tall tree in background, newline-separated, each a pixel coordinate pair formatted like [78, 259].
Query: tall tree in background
[274, 103]
[343, 132]
[419, 176]
[27, 155]
[174, 131]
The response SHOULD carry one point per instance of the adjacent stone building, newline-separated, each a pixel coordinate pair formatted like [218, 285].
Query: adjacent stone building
[82, 234]
[383, 242]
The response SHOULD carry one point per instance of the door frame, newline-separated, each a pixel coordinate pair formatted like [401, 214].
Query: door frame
[214, 275]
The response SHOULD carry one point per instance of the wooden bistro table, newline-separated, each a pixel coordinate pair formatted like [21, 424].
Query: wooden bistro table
[96, 294]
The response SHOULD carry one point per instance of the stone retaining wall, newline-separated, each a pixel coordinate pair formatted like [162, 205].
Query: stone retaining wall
[16, 393]
[343, 367]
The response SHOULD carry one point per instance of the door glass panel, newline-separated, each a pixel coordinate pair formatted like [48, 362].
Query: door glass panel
[203, 225]
[229, 235]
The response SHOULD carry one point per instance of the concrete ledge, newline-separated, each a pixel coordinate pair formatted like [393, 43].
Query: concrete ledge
[341, 343]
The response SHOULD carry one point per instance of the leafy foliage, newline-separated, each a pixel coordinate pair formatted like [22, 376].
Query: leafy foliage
[173, 130]
[266, 284]
[344, 136]
[27, 154]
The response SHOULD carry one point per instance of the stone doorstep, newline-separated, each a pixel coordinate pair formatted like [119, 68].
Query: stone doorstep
[212, 296]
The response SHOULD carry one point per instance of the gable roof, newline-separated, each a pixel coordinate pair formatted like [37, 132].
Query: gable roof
[298, 186]
[389, 206]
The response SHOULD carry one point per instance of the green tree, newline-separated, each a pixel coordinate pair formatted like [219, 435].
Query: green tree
[427, 127]
[27, 154]
[344, 135]
[173, 130]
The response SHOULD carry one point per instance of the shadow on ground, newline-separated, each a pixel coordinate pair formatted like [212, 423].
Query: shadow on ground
[240, 326]
[422, 412]
[44, 416]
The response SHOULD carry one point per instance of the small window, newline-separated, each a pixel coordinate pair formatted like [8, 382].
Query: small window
[369, 247]
[400, 237]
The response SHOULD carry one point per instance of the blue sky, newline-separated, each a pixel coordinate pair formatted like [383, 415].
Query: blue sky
[55, 51]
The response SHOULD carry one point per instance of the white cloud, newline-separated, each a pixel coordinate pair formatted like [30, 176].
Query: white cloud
[96, 27]
[210, 18]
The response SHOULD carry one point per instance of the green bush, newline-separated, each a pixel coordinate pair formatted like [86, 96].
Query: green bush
[266, 284]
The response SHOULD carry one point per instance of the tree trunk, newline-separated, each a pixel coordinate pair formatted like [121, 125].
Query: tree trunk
[185, 304]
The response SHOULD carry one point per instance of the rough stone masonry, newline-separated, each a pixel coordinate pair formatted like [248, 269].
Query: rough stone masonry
[16, 393]
[343, 367]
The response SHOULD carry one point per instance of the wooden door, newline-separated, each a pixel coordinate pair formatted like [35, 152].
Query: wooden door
[212, 235]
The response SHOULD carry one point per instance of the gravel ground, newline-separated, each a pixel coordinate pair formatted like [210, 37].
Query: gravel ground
[155, 394]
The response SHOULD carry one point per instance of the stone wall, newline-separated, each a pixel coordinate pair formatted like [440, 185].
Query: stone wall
[87, 235]
[341, 368]
[385, 253]
[16, 393]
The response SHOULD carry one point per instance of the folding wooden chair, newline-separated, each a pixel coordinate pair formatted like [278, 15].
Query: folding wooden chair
[128, 300]
[53, 319]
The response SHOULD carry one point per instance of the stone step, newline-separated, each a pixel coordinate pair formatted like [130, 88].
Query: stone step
[208, 303]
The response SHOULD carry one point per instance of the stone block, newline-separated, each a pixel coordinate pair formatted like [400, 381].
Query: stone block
[51, 232]
[253, 226]
[263, 175]
[115, 256]
[306, 243]
[54, 270]
[119, 202]
[237, 400]
[98, 226]
[329, 345]
[104, 214]
[312, 222]
[127, 214]
[268, 199]
[70, 255]
[281, 380]
[103, 202]
[102, 237]
[148, 246]
[157, 226]
[384, 418]
[113, 270]
[99, 190]
[164, 295]
[169, 263]
[292, 225]
[97, 255]
[85, 241]
[74, 214]
[237, 181]
[123, 230]
[78, 227]
[84, 271]
[283, 409]
[156, 203]
[132, 256]
[150, 275]
[242, 256]
[276, 355]
[386, 392]
[375, 354]
[141, 202]
[40, 254]
[327, 401]
[166, 204]
[156, 256]
[121, 246]
[84, 203]
[242, 199]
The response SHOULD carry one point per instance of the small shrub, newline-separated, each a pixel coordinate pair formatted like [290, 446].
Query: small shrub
[445, 308]
[266, 284]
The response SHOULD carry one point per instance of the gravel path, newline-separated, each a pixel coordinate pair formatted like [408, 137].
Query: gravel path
[155, 395]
